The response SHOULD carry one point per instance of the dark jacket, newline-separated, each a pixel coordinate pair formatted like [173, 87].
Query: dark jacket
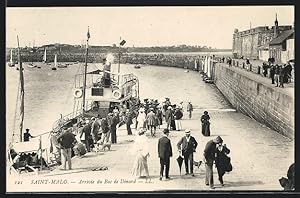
[178, 114]
[164, 148]
[128, 119]
[115, 120]
[210, 150]
[66, 139]
[221, 158]
[86, 130]
[187, 147]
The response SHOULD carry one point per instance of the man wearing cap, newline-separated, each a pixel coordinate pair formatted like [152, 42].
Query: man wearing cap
[95, 129]
[164, 153]
[187, 146]
[190, 109]
[178, 115]
[26, 136]
[128, 121]
[209, 157]
[66, 139]
[113, 127]
[85, 135]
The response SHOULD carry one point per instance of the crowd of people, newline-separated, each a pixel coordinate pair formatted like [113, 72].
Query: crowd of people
[279, 74]
[214, 152]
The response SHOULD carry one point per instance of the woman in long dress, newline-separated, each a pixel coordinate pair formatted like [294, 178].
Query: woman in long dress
[205, 124]
[222, 161]
[140, 166]
[141, 119]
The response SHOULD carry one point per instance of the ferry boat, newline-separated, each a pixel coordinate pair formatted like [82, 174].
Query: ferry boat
[96, 93]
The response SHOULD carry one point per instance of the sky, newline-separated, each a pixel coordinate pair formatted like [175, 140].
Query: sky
[140, 26]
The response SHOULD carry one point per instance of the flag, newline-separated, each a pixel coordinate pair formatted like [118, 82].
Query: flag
[88, 34]
[122, 42]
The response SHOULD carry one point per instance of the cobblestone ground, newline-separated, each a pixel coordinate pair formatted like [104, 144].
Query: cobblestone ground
[260, 156]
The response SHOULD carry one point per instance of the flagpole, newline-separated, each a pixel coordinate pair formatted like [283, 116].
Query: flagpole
[119, 61]
[21, 92]
[85, 71]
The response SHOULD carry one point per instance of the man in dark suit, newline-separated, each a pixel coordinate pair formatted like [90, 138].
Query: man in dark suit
[209, 157]
[164, 153]
[187, 146]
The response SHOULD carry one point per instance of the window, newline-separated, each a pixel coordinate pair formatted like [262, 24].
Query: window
[97, 91]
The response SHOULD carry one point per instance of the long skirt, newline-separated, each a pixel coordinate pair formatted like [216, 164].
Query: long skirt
[140, 166]
[206, 129]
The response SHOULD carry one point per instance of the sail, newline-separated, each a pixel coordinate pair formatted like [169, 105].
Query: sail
[55, 60]
[21, 95]
[209, 67]
[45, 56]
[11, 57]
[205, 65]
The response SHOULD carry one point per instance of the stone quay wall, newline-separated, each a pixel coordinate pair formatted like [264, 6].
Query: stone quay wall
[262, 102]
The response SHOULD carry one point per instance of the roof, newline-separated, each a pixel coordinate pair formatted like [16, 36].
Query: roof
[282, 37]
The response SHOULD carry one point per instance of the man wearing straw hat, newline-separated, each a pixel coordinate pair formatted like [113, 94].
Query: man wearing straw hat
[187, 146]
[209, 157]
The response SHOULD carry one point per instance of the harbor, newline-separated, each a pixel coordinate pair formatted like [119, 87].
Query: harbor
[187, 118]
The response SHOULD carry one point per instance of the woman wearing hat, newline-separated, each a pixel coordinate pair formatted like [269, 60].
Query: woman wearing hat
[140, 166]
[222, 160]
[141, 118]
[205, 124]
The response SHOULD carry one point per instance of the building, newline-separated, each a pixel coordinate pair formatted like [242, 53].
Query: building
[282, 48]
[248, 43]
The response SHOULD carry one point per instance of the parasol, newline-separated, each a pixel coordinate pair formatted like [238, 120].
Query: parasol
[179, 161]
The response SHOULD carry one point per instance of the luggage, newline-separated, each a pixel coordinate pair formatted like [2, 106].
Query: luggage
[79, 149]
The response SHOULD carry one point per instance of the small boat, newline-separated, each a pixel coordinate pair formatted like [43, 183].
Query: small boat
[39, 67]
[62, 65]
[17, 68]
[31, 65]
[186, 71]
[137, 66]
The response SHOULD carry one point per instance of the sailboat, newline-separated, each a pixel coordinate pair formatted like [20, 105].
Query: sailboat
[45, 56]
[55, 62]
[18, 146]
[11, 63]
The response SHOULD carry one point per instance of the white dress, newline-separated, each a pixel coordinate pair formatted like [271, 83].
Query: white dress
[140, 149]
[141, 119]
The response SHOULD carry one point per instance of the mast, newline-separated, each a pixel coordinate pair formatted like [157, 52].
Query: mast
[85, 70]
[21, 93]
